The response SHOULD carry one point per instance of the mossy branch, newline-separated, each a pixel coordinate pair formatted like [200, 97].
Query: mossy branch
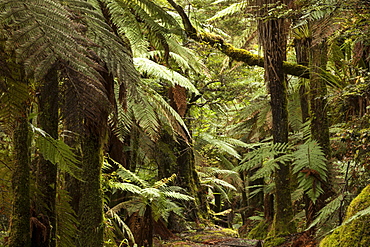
[228, 49]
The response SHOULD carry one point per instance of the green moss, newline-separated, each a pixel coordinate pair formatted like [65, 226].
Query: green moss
[230, 232]
[259, 232]
[355, 233]
[333, 240]
[273, 241]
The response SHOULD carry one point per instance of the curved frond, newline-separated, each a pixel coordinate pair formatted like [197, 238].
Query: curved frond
[232, 9]
[151, 68]
[219, 143]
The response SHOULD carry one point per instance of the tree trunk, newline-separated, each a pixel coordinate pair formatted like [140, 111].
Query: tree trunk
[319, 122]
[90, 212]
[46, 171]
[318, 91]
[273, 35]
[302, 48]
[20, 220]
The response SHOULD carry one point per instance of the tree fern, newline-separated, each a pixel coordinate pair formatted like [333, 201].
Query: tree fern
[158, 196]
[310, 166]
[44, 32]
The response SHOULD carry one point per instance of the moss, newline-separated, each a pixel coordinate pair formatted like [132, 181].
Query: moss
[259, 232]
[357, 232]
[273, 241]
[91, 201]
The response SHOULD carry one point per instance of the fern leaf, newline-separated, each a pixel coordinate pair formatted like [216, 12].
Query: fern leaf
[232, 9]
[67, 222]
[177, 195]
[57, 152]
[310, 165]
[326, 212]
[220, 144]
[124, 228]
[127, 175]
[128, 187]
[151, 68]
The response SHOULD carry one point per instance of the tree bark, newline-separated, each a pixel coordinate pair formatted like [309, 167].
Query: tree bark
[90, 212]
[318, 91]
[302, 48]
[273, 36]
[46, 171]
[20, 220]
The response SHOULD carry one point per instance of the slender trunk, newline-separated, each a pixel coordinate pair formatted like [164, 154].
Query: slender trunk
[302, 47]
[46, 171]
[319, 121]
[91, 202]
[20, 220]
[318, 91]
[273, 35]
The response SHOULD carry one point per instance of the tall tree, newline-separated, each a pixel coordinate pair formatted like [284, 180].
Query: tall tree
[273, 35]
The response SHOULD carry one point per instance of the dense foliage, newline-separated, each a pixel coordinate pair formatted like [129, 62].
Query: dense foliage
[126, 120]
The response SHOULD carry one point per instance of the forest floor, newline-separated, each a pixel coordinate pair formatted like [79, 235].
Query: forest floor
[211, 236]
[222, 237]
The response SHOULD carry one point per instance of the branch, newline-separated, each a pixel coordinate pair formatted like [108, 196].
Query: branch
[228, 49]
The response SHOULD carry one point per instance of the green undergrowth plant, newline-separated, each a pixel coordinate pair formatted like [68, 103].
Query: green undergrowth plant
[144, 199]
[307, 161]
[160, 197]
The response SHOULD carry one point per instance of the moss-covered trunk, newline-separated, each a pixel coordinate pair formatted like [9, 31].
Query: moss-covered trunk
[20, 220]
[273, 36]
[318, 91]
[319, 122]
[46, 171]
[357, 232]
[90, 212]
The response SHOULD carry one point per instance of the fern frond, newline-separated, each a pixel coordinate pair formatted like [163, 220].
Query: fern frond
[265, 154]
[67, 223]
[128, 26]
[57, 152]
[359, 214]
[192, 59]
[222, 183]
[44, 33]
[151, 68]
[310, 165]
[326, 212]
[219, 143]
[127, 175]
[179, 60]
[177, 195]
[11, 100]
[124, 228]
[151, 193]
[230, 10]
[128, 187]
